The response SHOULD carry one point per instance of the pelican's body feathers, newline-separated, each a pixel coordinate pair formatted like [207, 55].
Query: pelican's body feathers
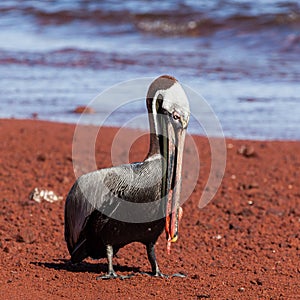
[99, 193]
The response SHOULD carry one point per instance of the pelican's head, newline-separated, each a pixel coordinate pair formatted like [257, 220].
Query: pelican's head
[169, 112]
[166, 95]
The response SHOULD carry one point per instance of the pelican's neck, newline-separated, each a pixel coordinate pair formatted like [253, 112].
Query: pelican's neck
[154, 147]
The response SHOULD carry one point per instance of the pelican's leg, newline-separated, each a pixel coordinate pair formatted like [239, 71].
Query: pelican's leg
[111, 274]
[155, 269]
[152, 259]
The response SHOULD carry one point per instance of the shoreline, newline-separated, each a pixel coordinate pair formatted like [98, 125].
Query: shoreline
[244, 243]
[146, 130]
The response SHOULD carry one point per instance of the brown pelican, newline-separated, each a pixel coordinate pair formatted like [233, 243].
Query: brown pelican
[96, 223]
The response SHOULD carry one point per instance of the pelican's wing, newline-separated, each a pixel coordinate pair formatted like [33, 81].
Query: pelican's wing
[104, 190]
[80, 204]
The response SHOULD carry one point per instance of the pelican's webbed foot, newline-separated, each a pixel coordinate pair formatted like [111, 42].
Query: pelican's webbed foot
[180, 275]
[155, 274]
[110, 275]
[113, 275]
[159, 274]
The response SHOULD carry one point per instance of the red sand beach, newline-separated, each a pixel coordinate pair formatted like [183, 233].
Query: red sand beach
[243, 244]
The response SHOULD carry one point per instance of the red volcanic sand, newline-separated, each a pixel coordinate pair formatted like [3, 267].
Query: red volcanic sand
[243, 244]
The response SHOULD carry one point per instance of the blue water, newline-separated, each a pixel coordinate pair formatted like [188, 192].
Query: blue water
[241, 56]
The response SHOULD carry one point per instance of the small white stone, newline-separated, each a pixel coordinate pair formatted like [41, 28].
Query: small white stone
[218, 237]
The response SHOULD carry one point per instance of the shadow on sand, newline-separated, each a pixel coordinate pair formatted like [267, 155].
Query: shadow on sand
[65, 264]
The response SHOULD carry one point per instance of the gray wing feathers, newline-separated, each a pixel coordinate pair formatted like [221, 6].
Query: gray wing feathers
[77, 209]
[138, 182]
[82, 200]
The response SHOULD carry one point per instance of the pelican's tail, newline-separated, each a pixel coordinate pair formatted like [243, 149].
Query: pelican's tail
[76, 216]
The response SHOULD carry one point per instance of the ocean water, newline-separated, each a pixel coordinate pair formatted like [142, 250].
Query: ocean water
[241, 56]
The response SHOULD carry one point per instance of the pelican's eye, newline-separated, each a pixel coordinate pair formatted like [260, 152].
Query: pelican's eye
[176, 116]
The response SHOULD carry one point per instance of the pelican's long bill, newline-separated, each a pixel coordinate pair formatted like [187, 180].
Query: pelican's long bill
[172, 148]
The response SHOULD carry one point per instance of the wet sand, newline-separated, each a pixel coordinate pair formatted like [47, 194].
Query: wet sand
[243, 244]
